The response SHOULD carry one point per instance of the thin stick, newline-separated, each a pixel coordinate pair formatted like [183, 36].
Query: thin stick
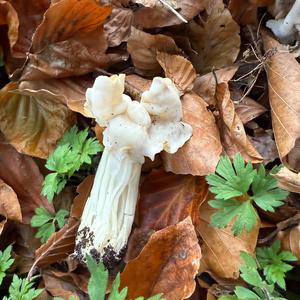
[178, 15]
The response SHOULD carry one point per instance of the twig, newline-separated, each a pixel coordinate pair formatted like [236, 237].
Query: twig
[178, 15]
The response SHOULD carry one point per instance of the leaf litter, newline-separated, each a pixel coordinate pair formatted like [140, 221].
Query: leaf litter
[202, 228]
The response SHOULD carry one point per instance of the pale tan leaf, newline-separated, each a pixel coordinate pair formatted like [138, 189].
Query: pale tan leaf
[283, 72]
[290, 240]
[288, 180]
[32, 123]
[200, 154]
[178, 69]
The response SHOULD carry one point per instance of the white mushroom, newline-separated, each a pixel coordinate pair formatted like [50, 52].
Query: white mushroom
[133, 130]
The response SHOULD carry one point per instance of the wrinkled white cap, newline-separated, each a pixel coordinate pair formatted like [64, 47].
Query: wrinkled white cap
[140, 128]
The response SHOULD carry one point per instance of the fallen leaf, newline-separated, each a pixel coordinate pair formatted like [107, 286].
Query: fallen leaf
[205, 85]
[158, 15]
[200, 154]
[59, 246]
[165, 199]
[288, 180]
[216, 41]
[117, 28]
[290, 240]
[178, 69]
[143, 48]
[69, 41]
[32, 123]
[168, 264]
[220, 249]
[70, 91]
[22, 174]
[283, 72]
[233, 135]
[135, 85]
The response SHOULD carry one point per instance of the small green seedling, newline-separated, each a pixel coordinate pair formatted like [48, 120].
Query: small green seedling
[5, 262]
[99, 280]
[22, 289]
[48, 222]
[237, 186]
[73, 150]
[258, 287]
[273, 261]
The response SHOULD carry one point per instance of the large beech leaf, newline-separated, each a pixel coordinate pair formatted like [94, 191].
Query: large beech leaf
[158, 15]
[216, 42]
[167, 264]
[165, 199]
[22, 174]
[290, 240]
[143, 47]
[69, 41]
[233, 135]
[283, 72]
[32, 123]
[220, 249]
[200, 154]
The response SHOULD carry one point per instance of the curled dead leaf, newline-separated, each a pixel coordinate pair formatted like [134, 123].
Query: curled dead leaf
[168, 264]
[288, 180]
[220, 249]
[143, 49]
[233, 135]
[283, 72]
[200, 154]
[178, 69]
[32, 122]
[290, 240]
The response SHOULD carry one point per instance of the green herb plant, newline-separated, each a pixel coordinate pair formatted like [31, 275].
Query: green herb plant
[262, 287]
[5, 262]
[237, 186]
[73, 150]
[47, 223]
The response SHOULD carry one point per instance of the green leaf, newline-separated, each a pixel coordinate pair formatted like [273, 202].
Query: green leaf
[60, 217]
[272, 260]
[41, 217]
[98, 280]
[22, 289]
[246, 294]
[5, 262]
[45, 231]
[266, 193]
[114, 293]
[50, 186]
[243, 212]
[228, 297]
[231, 180]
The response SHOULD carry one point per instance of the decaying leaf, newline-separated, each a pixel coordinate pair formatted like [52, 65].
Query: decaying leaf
[233, 135]
[22, 174]
[216, 41]
[220, 249]
[288, 180]
[157, 14]
[290, 240]
[143, 49]
[167, 264]
[200, 154]
[178, 69]
[32, 123]
[69, 41]
[283, 72]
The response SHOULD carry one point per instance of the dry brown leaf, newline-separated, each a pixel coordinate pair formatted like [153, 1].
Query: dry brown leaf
[117, 27]
[220, 249]
[249, 109]
[200, 154]
[178, 69]
[59, 246]
[135, 85]
[32, 123]
[245, 11]
[69, 41]
[143, 49]
[22, 174]
[70, 91]
[216, 42]
[158, 15]
[290, 240]
[165, 199]
[205, 85]
[288, 180]
[283, 72]
[233, 135]
[168, 264]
